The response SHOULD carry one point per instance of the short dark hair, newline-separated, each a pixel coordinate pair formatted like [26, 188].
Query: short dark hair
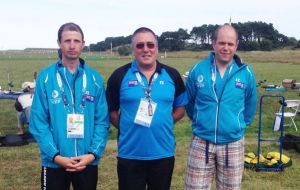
[70, 26]
[215, 36]
[143, 30]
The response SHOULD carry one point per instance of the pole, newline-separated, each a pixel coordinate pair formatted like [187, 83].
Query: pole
[110, 48]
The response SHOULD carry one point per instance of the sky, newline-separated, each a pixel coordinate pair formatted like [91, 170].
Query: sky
[34, 23]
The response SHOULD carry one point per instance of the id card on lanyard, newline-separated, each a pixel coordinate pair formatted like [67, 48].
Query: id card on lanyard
[147, 106]
[145, 112]
[75, 122]
[75, 126]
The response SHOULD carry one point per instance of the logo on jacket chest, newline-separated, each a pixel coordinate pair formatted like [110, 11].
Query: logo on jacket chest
[54, 94]
[55, 98]
[200, 81]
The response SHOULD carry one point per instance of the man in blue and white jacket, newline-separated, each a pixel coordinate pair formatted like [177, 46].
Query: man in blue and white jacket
[69, 117]
[222, 102]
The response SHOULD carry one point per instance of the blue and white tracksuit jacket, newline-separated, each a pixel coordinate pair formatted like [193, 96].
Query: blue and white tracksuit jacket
[48, 121]
[220, 116]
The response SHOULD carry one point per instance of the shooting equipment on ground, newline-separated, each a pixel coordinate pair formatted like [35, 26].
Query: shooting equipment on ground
[288, 83]
[267, 85]
[285, 84]
[296, 86]
[261, 82]
[291, 83]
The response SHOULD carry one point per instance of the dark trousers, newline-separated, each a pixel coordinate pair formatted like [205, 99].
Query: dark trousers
[139, 174]
[59, 179]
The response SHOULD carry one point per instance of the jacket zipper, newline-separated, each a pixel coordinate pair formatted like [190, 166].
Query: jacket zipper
[73, 104]
[219, 100]
[217, 112]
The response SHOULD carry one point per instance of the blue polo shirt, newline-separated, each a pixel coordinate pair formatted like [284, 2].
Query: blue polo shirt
[124, 93]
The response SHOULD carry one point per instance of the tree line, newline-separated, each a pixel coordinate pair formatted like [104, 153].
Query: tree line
[252, 36]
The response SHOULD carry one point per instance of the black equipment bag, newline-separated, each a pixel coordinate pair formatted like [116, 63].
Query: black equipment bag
[12, 140]
[18, 106]
[291, 142]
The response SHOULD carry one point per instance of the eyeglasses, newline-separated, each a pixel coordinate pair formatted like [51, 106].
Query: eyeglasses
[150, 45]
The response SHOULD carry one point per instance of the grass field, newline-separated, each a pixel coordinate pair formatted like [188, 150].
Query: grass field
[20, 166]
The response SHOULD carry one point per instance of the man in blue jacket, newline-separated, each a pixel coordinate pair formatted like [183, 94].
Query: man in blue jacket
[69, 117]
[145, 99]
[222, 102]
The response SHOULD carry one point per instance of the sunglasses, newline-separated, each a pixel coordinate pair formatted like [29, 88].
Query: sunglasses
[150, 45]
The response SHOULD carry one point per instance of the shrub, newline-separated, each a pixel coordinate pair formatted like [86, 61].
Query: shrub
[266, 45]
[124, 50]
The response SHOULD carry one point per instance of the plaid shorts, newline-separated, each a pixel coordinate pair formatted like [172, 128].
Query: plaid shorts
[227, 168]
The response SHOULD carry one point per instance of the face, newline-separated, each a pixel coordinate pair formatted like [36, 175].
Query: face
[144, 48]
[71, 45]
[225, 45]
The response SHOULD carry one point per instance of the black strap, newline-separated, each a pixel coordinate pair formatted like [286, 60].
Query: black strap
[206, 151]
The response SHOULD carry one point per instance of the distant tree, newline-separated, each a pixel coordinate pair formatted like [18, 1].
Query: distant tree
[245, 32]
[199, 34]
[249, 46]
[298, 44]
[210, 32]
[252, 36]
[86, 48]
[202, 36]
[116, 41]
[292, 41]
[110, 42]
[266, 45]
[173, 41]
[124, 50]
[253, 33]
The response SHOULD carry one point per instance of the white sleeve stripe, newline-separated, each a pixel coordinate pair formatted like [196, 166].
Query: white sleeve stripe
[46, 79]
[249, 71]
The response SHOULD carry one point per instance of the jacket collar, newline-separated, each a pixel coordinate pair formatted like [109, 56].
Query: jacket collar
[80, 68]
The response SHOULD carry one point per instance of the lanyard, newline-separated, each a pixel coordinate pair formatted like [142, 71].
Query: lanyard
[64, 97]
[147, 90]
[218, 87]
[214, 70]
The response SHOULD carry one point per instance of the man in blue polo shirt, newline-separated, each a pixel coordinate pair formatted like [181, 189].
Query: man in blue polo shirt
[145, 99]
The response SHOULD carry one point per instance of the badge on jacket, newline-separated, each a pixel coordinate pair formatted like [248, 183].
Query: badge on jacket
[239, 84]
[132, 83]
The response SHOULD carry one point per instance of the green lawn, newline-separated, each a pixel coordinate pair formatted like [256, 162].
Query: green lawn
[20, 166]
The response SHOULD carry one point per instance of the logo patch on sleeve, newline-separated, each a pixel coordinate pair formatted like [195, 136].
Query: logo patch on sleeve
[132, 83]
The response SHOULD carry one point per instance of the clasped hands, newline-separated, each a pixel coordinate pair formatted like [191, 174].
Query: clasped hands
[74, 164]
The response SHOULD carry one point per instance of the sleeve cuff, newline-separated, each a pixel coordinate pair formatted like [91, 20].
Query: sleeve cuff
[93, 154]
[55, 156]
